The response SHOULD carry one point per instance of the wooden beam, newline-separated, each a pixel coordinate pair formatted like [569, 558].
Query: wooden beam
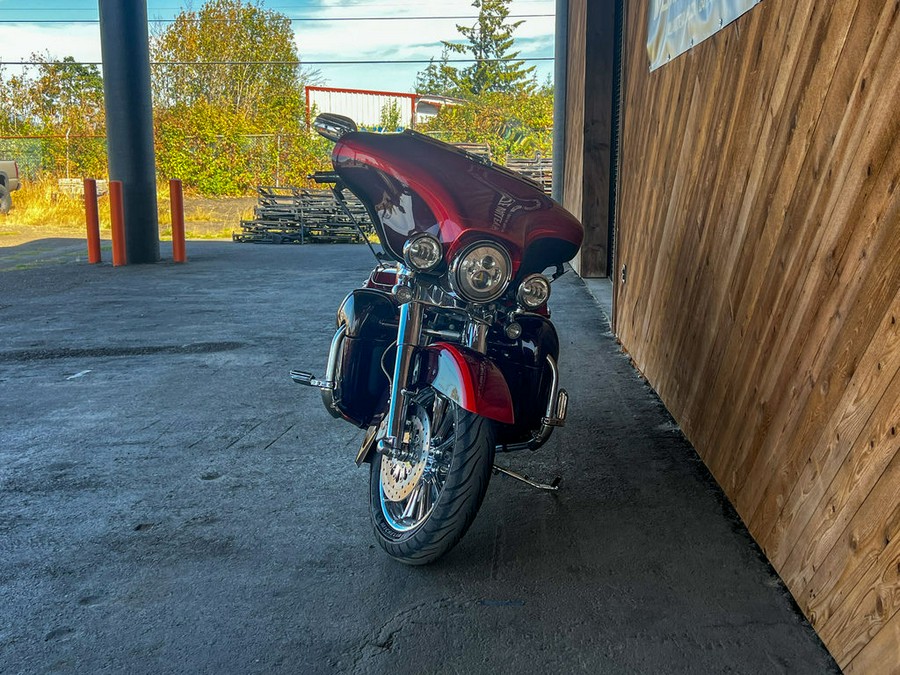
[589, 106]
[597, 126]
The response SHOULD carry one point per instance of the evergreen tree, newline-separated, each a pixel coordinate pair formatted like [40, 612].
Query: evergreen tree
[437, 78]
[489, 42]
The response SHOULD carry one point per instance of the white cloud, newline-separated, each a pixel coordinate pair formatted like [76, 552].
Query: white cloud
[411, 39]
[79, 40]
[326, 41]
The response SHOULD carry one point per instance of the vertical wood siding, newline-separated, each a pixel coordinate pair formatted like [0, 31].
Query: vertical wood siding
[588, 128]
[759, 219]
[574, 150]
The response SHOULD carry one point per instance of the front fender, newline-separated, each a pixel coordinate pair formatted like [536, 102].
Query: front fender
[469, 379]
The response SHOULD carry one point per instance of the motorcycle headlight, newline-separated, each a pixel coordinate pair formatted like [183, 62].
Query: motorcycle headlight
[422, 253]
[480, 273]
[534, 291]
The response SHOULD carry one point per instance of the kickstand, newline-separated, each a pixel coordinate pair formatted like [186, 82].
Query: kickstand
[552, 487]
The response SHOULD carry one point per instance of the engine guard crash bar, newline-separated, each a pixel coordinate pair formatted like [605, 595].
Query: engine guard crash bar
[557, 404]
[557, 408]
[327, 385]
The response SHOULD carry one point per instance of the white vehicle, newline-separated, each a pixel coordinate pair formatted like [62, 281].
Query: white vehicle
[9, 181]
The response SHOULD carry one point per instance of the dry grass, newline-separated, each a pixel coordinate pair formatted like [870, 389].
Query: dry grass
[43, 204]
[40, 210]
[165, 232]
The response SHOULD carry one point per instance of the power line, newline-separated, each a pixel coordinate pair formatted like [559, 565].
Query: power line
[292, 19]
[415, 3]
[276, 63]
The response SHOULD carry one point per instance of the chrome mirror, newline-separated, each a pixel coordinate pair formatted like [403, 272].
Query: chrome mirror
[332, 126]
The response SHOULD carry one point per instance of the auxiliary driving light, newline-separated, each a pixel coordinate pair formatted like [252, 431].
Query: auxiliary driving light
[534, 291]
[514, 330]
[404, 294]
[422, 253]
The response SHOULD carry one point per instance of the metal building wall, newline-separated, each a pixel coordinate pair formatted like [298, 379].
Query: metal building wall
[363, 107]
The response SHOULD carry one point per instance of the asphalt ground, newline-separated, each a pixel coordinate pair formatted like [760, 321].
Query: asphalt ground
[170, 502]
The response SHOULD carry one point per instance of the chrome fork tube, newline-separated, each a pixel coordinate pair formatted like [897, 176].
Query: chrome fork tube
[476, 337]
[409, 336]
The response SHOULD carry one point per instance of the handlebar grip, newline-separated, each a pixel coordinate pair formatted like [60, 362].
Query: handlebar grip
[325, 177]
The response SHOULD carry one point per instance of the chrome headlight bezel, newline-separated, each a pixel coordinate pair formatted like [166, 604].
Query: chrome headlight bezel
[411, 252]
[530, 300]
[462, 286]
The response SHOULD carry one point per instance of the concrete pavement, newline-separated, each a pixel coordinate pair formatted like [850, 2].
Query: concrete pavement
[171, 503]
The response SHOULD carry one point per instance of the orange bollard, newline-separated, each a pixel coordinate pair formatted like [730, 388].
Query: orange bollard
[92, 218]
[176, 201]
[117, 216]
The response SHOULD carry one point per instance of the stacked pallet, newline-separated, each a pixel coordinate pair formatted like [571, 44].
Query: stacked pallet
[290, 215]
[537, 168]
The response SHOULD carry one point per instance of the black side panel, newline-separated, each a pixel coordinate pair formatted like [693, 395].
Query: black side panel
[523, 363]
[365, 311]
[361, 387]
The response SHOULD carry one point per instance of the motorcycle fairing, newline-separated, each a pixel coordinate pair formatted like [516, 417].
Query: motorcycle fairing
[469, 379]
[413, 183]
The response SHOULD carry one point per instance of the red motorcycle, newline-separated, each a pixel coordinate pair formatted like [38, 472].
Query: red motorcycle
[446, 355]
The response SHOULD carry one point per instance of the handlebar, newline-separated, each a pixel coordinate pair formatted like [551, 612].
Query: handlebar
[325, 177]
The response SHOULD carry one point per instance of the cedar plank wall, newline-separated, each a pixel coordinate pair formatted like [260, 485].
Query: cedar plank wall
[575, 79]
[588, 128]
[759, 218]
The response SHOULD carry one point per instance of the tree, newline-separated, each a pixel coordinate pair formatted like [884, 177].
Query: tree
[61, 101]
[496, 68]
[437, 78]
[68, 95]
[511, 124]
[229, 53]
[390, 118]
[228, 90]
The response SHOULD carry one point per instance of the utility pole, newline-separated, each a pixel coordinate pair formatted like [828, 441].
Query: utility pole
[125, 47]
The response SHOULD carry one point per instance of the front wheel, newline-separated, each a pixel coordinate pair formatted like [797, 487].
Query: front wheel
[421, 505]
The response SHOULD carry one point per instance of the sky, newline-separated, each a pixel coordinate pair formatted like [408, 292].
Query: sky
[55, 26]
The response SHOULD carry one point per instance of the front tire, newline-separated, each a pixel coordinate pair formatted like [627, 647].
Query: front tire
[421, 508]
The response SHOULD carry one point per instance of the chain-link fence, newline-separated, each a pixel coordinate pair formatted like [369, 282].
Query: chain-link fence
[55, 156]
[219, 165]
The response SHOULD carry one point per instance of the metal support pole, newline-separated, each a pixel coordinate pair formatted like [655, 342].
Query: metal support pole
[117, 223]
[125, 47]
[92, 220]
[176, 202]
[560, 74]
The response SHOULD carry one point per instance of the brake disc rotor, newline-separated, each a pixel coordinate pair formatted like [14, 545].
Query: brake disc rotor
[398, 478]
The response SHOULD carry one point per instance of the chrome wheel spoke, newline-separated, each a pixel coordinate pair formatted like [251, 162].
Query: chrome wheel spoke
[433, 490]
[411, 503]
[422, 499]
[439, 418]
[441, 449]
[410, 489]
